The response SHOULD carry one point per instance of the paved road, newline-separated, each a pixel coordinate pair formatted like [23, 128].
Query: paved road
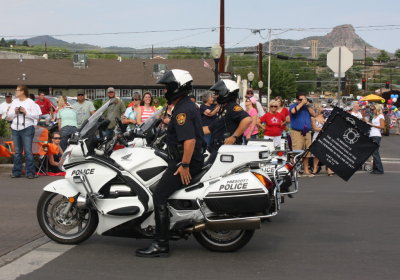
[17, 212]
[330, 230]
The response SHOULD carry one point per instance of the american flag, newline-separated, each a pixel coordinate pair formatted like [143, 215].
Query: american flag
[206, 64]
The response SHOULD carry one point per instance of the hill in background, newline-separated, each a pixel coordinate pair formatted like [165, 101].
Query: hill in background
[343, 35]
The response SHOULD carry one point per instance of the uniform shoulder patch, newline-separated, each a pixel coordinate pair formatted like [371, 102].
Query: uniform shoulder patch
[181, 118]
[237, 108]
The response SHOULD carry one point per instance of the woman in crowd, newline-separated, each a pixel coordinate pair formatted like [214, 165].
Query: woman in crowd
[133, 114]
[147, 106]
[317, 123]
[208, 111]
[54, 158]
[377, 123]
[251, 108]
[274, 124]
[24, 112]
[283, 110]
[67, 122]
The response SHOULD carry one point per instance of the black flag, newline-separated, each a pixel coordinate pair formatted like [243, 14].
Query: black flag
[342, 146]
[362, 126]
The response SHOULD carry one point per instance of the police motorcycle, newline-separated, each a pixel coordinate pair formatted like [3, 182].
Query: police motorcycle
[282, 164]
[110, 192]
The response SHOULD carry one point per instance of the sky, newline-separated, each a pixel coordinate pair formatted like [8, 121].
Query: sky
[42, 17]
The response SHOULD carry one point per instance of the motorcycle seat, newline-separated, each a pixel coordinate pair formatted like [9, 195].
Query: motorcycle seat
[197, 178]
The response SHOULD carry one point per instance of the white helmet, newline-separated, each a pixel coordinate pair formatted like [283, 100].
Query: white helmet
[178, 83]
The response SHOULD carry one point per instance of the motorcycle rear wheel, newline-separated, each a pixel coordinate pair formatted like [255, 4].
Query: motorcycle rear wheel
[76, 227]
[223, 240]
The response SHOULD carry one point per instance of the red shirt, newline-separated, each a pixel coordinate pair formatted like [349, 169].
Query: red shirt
[44, 105]
[273, 124]
[284, 112]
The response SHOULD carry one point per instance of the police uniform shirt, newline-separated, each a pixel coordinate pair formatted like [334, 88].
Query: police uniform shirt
[227, 121]
[186, 124]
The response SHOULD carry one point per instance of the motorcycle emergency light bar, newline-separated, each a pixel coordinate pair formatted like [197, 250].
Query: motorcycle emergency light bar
[226, 158]
[267, 183]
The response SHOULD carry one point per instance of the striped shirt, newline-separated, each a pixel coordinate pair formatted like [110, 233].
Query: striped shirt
[146, 113]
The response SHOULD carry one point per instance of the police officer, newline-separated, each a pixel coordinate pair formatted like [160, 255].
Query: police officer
[231, 120]
[185, 149]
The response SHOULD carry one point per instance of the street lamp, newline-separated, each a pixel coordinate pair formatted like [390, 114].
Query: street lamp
[216, 52]
[260, 84]
[250, 78]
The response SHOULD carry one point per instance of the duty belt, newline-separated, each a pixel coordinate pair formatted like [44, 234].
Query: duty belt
[175, 152]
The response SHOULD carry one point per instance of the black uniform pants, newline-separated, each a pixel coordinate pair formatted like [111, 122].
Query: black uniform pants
[170, 183]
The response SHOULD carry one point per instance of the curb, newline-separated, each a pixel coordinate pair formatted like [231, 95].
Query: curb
[5, 168]
[23, 250]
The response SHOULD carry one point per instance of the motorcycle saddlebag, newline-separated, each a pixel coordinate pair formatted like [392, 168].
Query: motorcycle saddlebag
[238, 202]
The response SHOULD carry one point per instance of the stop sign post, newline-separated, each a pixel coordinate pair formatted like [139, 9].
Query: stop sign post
[339, 60]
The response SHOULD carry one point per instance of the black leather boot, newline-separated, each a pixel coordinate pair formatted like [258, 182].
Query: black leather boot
[160, 246]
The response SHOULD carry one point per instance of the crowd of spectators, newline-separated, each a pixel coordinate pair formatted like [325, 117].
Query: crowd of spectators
[302, 120]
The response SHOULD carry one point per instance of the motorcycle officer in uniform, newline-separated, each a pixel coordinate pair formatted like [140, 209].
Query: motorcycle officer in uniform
[185, 150]
[231, 120]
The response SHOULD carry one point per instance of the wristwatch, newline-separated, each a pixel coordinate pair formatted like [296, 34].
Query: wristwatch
[185, 165]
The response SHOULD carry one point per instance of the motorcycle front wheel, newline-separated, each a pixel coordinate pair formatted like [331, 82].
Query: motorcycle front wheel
[73, 228]
[223, 240]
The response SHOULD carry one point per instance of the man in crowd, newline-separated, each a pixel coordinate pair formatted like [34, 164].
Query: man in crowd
[115, 110]
[83, 108]
[5, 106]
[45, 106]
[260, 108]
[300, 118]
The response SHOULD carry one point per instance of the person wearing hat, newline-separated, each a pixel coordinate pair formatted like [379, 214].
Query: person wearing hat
[5, 106]
[250, 94]
[115, 110]
[83, 108]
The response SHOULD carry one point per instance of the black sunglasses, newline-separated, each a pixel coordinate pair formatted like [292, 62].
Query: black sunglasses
[80, 94]
[56, 138]
[273, 106]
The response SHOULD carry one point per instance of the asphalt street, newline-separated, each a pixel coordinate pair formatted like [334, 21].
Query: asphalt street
[331, 230]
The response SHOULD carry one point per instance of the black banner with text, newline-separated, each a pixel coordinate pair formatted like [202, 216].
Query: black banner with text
[342, 145]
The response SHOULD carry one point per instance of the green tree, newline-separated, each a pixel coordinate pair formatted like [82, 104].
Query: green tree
[397, 53]
[188, 53]
[25, 43]
[283, 82]
[3, 43]
[11, 43]
[383, 56]
[369, 61]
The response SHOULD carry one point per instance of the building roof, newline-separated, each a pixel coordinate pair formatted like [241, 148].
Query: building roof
[99, 72]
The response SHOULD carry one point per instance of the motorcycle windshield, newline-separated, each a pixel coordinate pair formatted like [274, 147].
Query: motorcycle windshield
[150, 121]
[94, 119]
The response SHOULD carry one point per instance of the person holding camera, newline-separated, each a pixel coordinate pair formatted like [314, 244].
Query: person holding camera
[300, 119]
[24, 113]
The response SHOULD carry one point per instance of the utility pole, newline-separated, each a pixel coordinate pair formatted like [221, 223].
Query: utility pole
[260, 59]
[339, 77]
[269, 66]
[365, 69]
[152, 51]
[222, 36]
[260, 66]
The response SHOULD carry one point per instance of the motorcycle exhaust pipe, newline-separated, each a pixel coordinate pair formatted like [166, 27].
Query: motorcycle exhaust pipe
[247, 224]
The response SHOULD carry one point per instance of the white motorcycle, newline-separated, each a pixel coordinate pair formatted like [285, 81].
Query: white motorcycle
[110, 192]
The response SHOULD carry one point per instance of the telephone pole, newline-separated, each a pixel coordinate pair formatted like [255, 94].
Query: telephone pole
[222, 36]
